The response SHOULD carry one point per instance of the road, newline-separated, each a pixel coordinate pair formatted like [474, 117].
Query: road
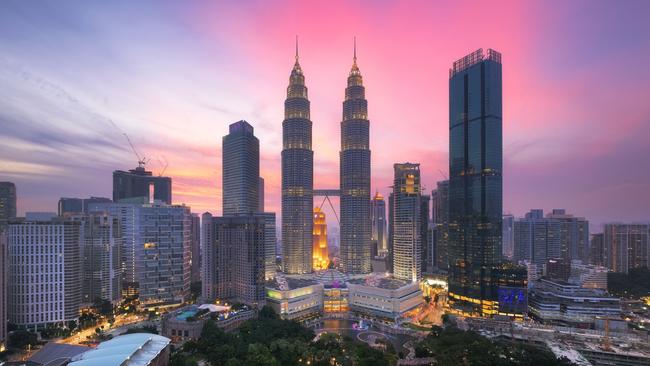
[121, 321]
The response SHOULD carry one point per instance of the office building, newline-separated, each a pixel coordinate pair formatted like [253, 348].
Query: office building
[425, 201]
[511, 285]
[3, 287]
[195, 253]
[260, 192]
[561, 303]
[407, 216]
[391, 216]
[297, 176]
[508, 236]
[475, 180]
[139, 183]
[241, 170]
[270, 240]
[320, 250]
[440, 217]
[536, 238]
[7, 202]
[355, 251]
[100, 251]
[574, 236]
[44, 273]
[72, 206]
[378, 219]
[626, 246]
[234, 259]
[208, 265]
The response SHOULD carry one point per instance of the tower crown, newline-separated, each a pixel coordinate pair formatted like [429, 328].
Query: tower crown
[355, 74]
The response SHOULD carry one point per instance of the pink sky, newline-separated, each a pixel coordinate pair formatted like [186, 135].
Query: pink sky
[575, 93]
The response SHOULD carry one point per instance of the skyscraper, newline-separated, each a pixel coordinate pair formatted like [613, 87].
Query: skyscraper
[196, 249]
[101, 265]
[71, 206]
[508, 238]
[241, 170]
[574, 236]
[475, 181]
[44, 273]
[260, 192]
[355, 250]
[138, 182]
[536, 238]
[440, 213]
[626, 246]
[425, 201]
[407, 216]
[378, 220]
[297, 176]
[233, 265]
[321, 256]
[597, 249]
[7, 202]
[3, 287]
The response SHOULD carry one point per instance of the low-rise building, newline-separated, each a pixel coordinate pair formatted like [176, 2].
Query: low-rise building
[385, 297]
[295, 298]
[589, 276]
[138, 349]
[187, 322]
[562, 303]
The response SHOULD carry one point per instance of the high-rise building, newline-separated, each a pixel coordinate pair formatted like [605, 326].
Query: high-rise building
[378, 219]
[270, 239]
[7, 202]
[574, 236]
[156, 250]
[196, 249]
[407, 216]
[208, 274]
[626, 246]
[597, 249]
[241, 170]
[260, 192]
[138, 183]
[391, 233]
[3, 287]
[440, 216]
[355, 252]
[297, 176]
[536, 238]
[508, 236]
[234, 270]
[475, 180]
[320, 253]
[72, 206]
[425, 201]
[44, 272]
[101, 265]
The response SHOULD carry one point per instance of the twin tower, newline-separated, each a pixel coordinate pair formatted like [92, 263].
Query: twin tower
[298, 177]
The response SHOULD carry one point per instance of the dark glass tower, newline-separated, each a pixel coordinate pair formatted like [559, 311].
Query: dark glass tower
[241, 170]
[475, 182]
[297, 176]
[355, 177]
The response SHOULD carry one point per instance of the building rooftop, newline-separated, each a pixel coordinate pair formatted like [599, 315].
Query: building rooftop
[387, 283]
[57, 353]
[332, 278]
[291, 283]
[137, 349]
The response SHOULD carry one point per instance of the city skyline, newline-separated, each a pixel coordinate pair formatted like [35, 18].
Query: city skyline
[179, 117]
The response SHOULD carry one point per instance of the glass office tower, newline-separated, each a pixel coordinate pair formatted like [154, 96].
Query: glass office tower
[475, 182]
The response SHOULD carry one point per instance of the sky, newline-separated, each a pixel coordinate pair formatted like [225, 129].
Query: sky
[76, 75]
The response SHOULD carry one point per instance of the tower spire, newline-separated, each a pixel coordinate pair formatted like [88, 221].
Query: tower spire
[355, 50]
[296, 48]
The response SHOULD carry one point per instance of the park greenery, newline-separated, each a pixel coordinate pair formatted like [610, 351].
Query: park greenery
[454, 347]
[270, 341]
[634, 284]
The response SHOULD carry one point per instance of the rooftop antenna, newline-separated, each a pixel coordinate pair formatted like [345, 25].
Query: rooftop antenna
[141, 160]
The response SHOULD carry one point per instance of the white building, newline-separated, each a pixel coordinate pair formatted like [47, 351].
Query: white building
[44, 272]
[383, 296]
[294, 298]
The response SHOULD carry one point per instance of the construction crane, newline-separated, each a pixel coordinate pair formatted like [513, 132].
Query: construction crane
[443, 174]
[165, 165]
[141, 160]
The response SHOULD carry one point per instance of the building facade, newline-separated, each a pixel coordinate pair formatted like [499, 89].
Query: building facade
[320, 250]
[407, 244]
[508, 236]
[240, 170]
[7, 202]
[4, 262]
[626, 246]
[234, 259]
[383, 297]
[195, 253]
[379, 224]
[355, 250]
[297, 176]
[536, 238]
[574, 236]
[44, 273]
[475, 180]
[138, 183]
[440, 217]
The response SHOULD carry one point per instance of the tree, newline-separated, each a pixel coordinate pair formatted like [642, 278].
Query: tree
[267, 312]
[103, 307]
[22, 339]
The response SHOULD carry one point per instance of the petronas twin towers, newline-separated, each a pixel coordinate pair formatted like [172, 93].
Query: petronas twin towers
[298, 176]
